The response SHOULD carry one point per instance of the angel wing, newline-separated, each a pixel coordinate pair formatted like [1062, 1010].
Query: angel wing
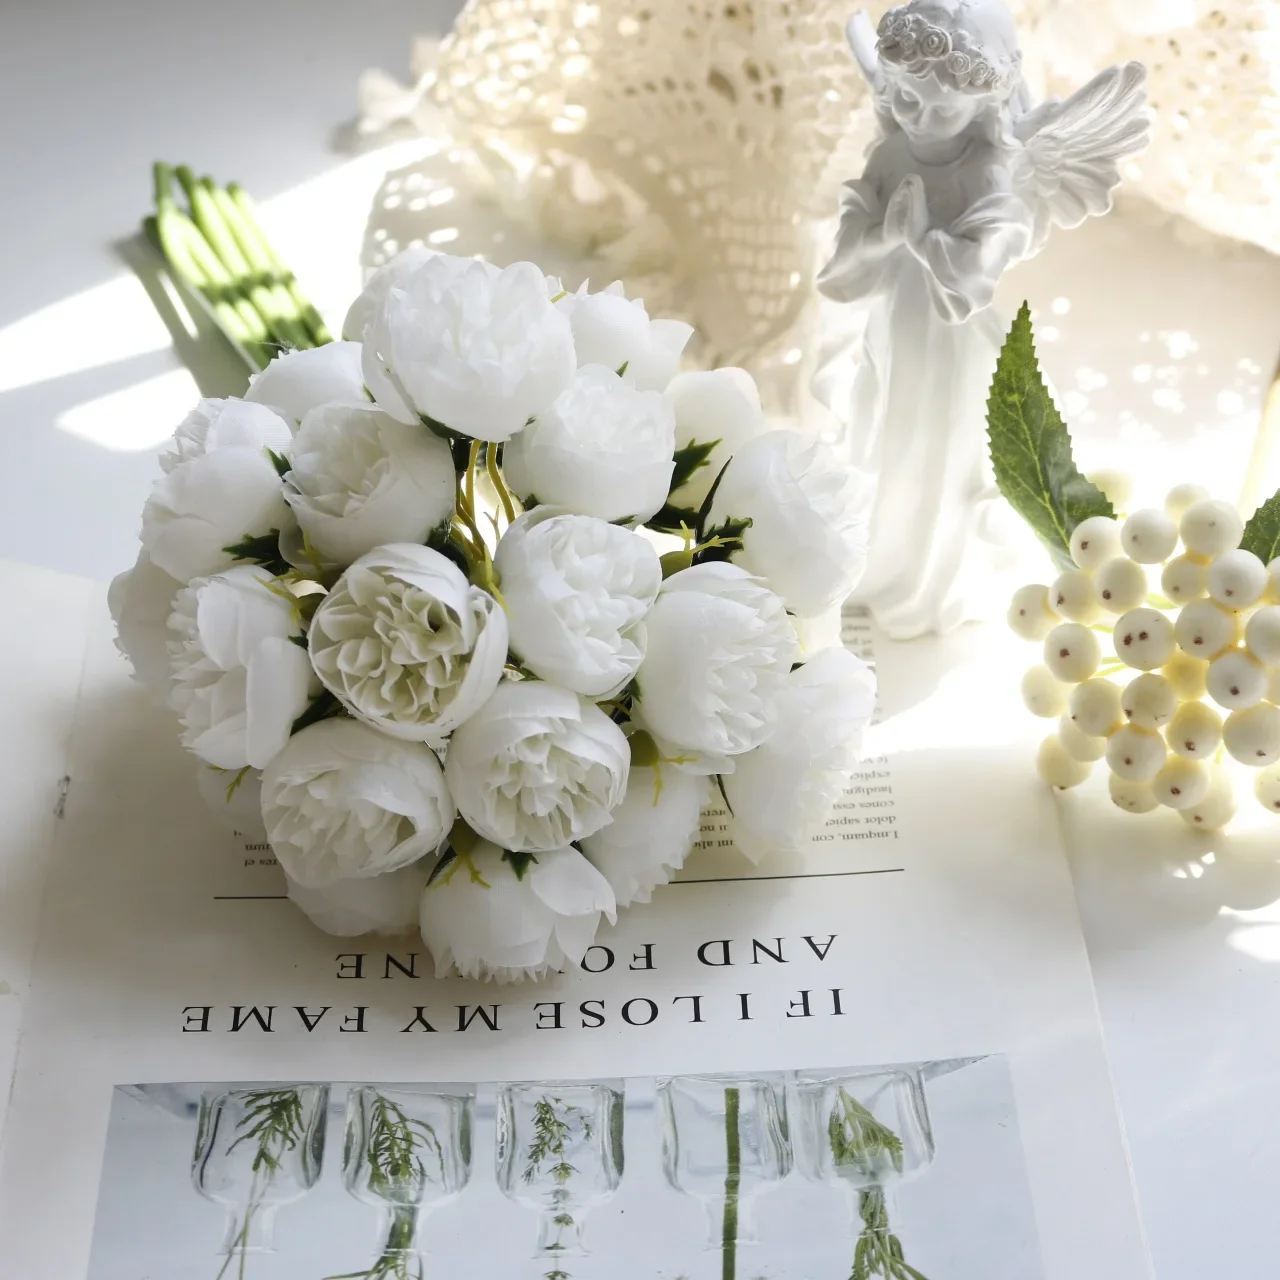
[1073, 148]
[861, 36]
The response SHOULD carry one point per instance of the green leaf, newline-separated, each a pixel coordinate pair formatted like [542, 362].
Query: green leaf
[724, 795]
[263, 550]
[321, 708]
[689, 460]
[1031, 448]
[282, 464]
[447, 859]
[519, 862]
[1262, 533]
[723, 542]
[673, 519]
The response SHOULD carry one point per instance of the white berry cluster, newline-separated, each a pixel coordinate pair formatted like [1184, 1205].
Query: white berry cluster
[1192, 623]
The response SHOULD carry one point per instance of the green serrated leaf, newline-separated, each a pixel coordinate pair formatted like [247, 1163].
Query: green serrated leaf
[262, 550]
[673, 519]
[300, 641]
[689, 460]
[1262, 533]
[321, 708]
[282, 464]
[519, 862]
[1031, 448]
[723, 542]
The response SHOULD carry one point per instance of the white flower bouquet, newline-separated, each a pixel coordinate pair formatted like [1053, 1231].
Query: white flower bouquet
[410, 601]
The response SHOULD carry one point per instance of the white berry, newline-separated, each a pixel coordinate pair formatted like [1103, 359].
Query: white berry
[1029, 613]
[1237, 579]
[1149, 701]
[1253, 735]
[1120, 585]
[1217, 808]
[1181, 783]
[1042, 693]
[1095, 541]
[1205, 629]
[1266, 786]
[1210, 527]
[1195, 731]
[1133, 797]
[1183, 496]
[1057, 768]
[1071, 652]
[1078, 744]
[1149, 536]
[1262, 635]
[1135, 754]
[1144, 639]
[1116, 486]
[1094, 707]
[1073, 596]
[1186, 674]
[1236, 680]
[1184, 579]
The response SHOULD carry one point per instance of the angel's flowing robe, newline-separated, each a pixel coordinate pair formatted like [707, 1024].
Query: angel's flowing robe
[917, 420]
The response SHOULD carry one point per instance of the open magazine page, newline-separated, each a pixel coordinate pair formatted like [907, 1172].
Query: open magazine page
[883, 1060]
[41, 654]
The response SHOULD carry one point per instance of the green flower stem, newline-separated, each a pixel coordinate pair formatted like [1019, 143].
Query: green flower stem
[309, 315]
[732, 1185]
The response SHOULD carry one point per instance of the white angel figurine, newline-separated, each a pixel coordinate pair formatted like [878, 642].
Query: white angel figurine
[966, 180]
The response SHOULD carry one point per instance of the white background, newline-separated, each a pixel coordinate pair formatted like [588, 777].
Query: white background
[1159, 344]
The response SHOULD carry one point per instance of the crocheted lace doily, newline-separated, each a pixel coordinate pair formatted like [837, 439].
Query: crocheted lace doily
[692, 148]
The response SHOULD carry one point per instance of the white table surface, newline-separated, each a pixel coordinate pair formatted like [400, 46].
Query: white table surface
[1158, 343]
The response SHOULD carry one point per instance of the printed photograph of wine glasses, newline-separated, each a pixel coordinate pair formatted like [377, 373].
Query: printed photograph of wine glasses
[899, 1172]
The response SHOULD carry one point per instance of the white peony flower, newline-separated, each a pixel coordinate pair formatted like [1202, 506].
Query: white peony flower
[374, 295]
[343, 801]
[476, 349]
[208, 504]
[611, 330]
[386, 904]
[652, 831]
[234, 798]
[602, 449]
[537, 767]
[296, 382]
[407, 644]
[225, 424]
[808, 536]
[781, 793]
[576, 589]
[359, 479]
[240, 680]
[482, 920]
[140, 600]
[719, 407]
[719, 647]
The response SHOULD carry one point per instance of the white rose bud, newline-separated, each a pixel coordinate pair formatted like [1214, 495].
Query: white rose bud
[225, 424]
[407, 644]
[537, 767]
[652, 831]
[721, 409]
[386, 905]
[296, 382]
[140, 600]
[484, 921]
[611, 330]
[808, 533]
[343, 801]
[476, 349]
[719, 646]
[576, 590]
[781, 793]
[602, 449]
[359, 480]
[208, 504]
[240, 680]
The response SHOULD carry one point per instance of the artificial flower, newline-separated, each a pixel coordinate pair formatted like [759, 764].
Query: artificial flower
[140, 600]
[576, 589]
[719, 410]
[360, 479]
[225, 424]
[296, 382]
[385, 904]
[408, 644]
[537, 767]
[342, 801]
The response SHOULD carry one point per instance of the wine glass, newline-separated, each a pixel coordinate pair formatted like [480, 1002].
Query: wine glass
[724, 1141]
[257, 1147]
[407, 1151]
[560, 1151]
